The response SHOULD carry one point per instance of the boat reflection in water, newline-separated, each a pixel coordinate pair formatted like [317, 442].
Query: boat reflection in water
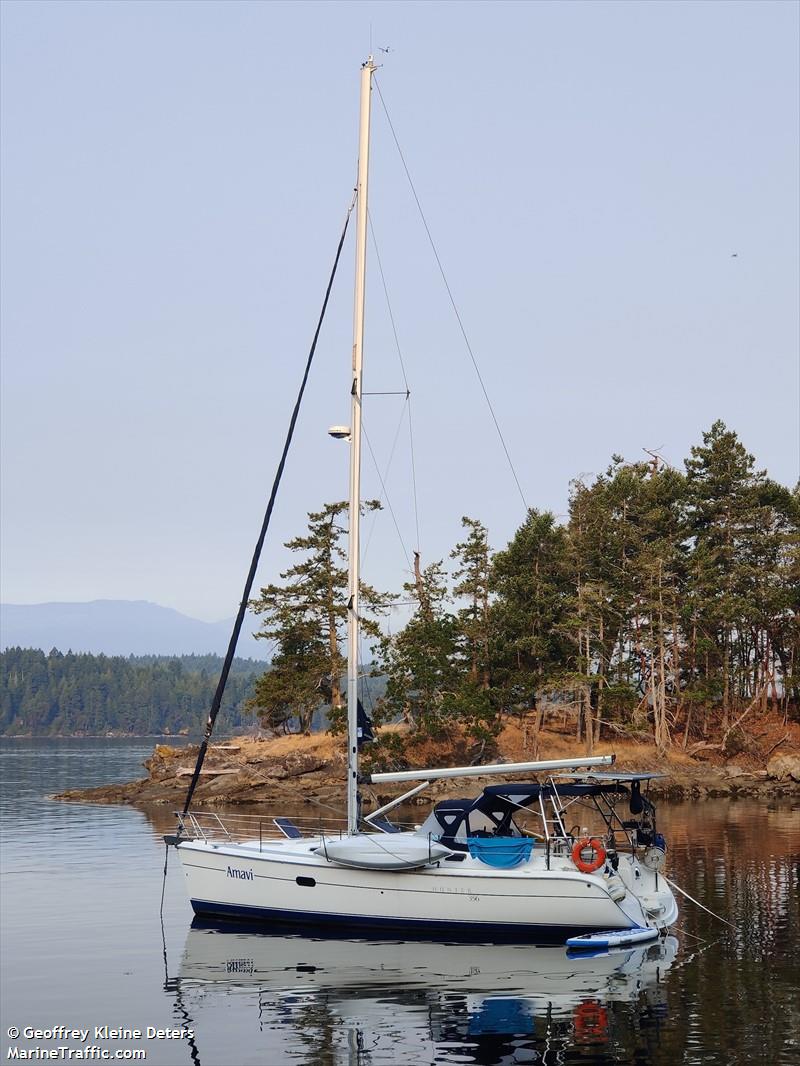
[391, 1001]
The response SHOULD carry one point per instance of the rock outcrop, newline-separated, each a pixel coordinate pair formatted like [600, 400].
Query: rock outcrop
[295, 770]
[784, 767]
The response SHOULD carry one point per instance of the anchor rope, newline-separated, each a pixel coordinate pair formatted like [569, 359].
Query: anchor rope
[702, 907]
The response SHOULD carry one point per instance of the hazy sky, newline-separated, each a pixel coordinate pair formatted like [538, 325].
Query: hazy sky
[175, 176]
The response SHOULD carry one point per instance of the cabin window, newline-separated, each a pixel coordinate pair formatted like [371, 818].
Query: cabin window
[306, 882]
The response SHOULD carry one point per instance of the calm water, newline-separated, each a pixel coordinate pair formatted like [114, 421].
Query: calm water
[83, 946]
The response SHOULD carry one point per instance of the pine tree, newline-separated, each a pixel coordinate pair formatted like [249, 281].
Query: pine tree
[724, 491]
[532, 585]
[305, 618]
[291, 688]
[625, 546]
[422, 662]
[473, 579]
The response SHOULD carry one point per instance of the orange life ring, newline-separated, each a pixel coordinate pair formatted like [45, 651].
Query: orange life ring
[599, 854]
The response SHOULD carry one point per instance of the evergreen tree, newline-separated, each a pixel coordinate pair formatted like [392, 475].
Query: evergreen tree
[292, 688]
[421, 663]
[531, 580]
[473, 577]
[625, 537]
[305, 618]
[734, 527]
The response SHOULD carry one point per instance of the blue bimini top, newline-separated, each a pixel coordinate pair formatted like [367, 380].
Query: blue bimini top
[502, 852]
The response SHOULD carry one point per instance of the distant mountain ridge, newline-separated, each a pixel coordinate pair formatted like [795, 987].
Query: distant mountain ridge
[121, 627]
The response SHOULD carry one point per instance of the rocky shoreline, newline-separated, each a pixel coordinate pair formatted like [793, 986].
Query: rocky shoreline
[310, 770]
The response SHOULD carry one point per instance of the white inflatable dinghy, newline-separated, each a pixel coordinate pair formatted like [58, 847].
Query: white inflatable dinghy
[383, 851]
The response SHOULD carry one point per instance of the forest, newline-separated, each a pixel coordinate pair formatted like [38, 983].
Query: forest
[665, 606]
[69, 694]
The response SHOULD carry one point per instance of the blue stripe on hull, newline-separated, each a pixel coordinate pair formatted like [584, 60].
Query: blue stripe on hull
[467, 932]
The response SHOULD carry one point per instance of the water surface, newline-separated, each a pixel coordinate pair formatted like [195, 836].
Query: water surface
[83, 945]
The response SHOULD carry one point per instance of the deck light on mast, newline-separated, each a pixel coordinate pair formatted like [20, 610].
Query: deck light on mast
[339, 432]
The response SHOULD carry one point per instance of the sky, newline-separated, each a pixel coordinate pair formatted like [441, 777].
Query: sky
[613, 193]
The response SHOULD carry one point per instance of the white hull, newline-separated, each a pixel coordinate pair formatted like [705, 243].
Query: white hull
[287, 882]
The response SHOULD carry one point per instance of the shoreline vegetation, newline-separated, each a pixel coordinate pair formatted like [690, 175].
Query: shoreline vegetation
[79, 694]
[659, 619]
[663, 609]
[298, 769]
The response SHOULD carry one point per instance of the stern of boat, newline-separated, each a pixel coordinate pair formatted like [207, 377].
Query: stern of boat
[648, 891]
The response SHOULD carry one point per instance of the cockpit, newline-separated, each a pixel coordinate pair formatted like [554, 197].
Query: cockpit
[553, 813]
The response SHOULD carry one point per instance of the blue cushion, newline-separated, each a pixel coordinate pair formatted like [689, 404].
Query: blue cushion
[502, 852]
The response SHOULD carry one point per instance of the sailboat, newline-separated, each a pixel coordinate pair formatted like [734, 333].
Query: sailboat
[473, 869]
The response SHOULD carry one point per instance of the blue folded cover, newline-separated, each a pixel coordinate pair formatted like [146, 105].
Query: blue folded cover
[502, 852]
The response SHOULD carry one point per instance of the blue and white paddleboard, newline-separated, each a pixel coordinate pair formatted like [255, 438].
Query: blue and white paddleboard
[614, 938]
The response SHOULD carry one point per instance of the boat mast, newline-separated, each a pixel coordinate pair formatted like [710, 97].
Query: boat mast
[355, 448]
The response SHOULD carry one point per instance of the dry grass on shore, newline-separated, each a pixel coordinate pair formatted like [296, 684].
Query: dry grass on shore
[763, 735]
